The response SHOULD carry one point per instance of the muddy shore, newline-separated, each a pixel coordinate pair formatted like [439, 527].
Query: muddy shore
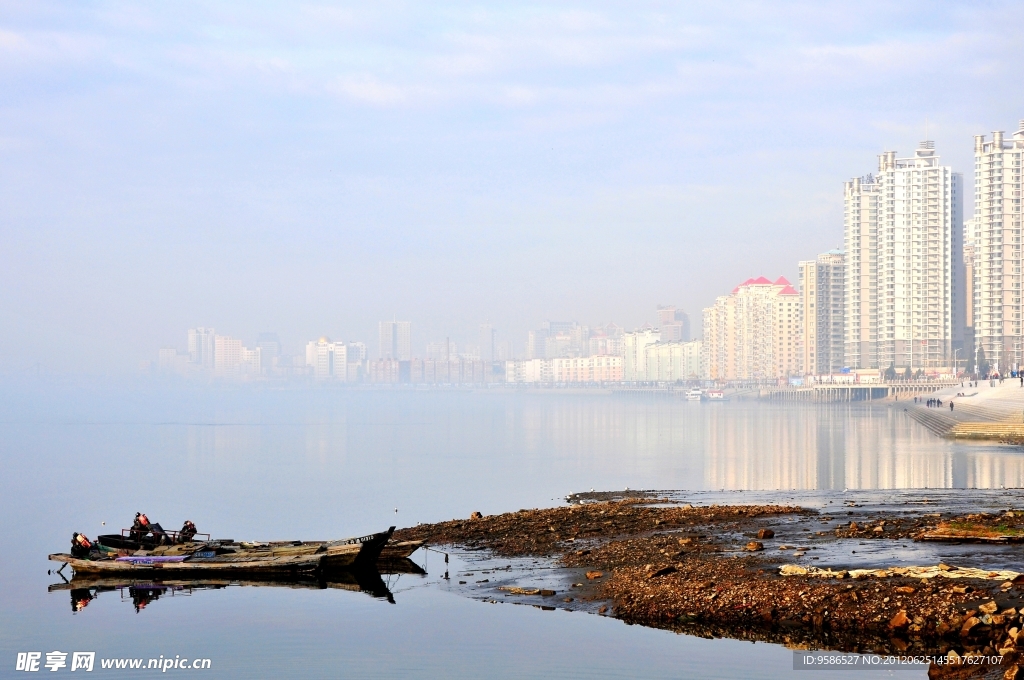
[747, 572]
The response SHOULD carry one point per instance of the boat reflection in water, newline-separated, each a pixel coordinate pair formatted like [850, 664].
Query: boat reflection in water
[86, 587]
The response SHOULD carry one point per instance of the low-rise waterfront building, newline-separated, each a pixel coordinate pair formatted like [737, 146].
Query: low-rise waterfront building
[565, 370]
[673, 361]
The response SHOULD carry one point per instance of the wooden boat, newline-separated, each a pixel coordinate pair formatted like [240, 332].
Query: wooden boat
[400, 549]
[281, 557]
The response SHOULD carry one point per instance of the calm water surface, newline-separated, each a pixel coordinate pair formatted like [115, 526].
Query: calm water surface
[265, 464]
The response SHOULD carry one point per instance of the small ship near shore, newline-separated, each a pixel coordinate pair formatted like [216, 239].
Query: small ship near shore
[147, 548]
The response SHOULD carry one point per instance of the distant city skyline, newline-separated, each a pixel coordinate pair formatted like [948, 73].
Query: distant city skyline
[311, 171]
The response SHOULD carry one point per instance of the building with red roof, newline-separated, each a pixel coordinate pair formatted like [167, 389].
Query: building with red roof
[754, 333]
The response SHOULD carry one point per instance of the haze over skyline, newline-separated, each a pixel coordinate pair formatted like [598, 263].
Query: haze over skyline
[313, 170]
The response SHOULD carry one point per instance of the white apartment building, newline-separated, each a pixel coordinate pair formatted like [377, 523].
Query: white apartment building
[903, 237]
[595, 369]
[634, 353]
[823, 310]
[395, 340]
[227, 356]
[201, 346]
[673, 361]
[528, 371]
[606, 340]
[754, 332]
[250, 361]
[998, 260]
[328, 360]
[972, 241]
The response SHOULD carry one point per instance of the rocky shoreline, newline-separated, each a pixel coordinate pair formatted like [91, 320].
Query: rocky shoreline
[741, 571]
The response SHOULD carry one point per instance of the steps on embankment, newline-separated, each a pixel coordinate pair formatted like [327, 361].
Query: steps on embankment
[991, 410]
[1013, 432]
[936, 421]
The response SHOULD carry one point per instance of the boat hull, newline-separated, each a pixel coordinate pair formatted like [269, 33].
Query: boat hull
[284, 559]
[401, 549]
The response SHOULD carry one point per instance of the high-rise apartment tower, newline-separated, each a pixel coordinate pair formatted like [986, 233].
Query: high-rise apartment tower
[904, 263]
[395, 340]
[823, 310]
[998, 260]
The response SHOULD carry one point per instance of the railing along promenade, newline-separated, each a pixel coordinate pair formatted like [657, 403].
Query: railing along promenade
[839, 392]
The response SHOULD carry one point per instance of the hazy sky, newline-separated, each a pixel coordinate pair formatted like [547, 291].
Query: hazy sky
[313, 168]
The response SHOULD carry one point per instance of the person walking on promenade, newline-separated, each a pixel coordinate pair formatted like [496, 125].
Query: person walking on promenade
[950, 407]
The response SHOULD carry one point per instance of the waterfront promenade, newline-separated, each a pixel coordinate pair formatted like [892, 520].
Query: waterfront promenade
[987, 412]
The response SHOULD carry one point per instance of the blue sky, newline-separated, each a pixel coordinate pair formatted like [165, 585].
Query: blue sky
[313, 168]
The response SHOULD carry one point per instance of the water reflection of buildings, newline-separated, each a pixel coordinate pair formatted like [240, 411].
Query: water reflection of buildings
[593, 441]
[764, 447]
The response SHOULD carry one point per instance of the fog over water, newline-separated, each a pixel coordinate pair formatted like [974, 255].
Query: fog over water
[262, 464]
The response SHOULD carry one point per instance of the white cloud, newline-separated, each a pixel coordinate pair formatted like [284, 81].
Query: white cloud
[368, 89]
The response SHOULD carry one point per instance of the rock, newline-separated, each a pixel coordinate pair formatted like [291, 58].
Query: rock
[1012, 673]
[854, 527]
[900, 621]
[952, 658]
[998, 619]
[754, 546]
[971, 622]
[799, 553]
[594, 574]
[476, 515]
[567, 599]
[663, 571]
[602, 609]
[878, 529]
[686, 541]
[547, 593]
[516, 590]
[904, 589]
[989, 607]
[766, 533]
[942, 628]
